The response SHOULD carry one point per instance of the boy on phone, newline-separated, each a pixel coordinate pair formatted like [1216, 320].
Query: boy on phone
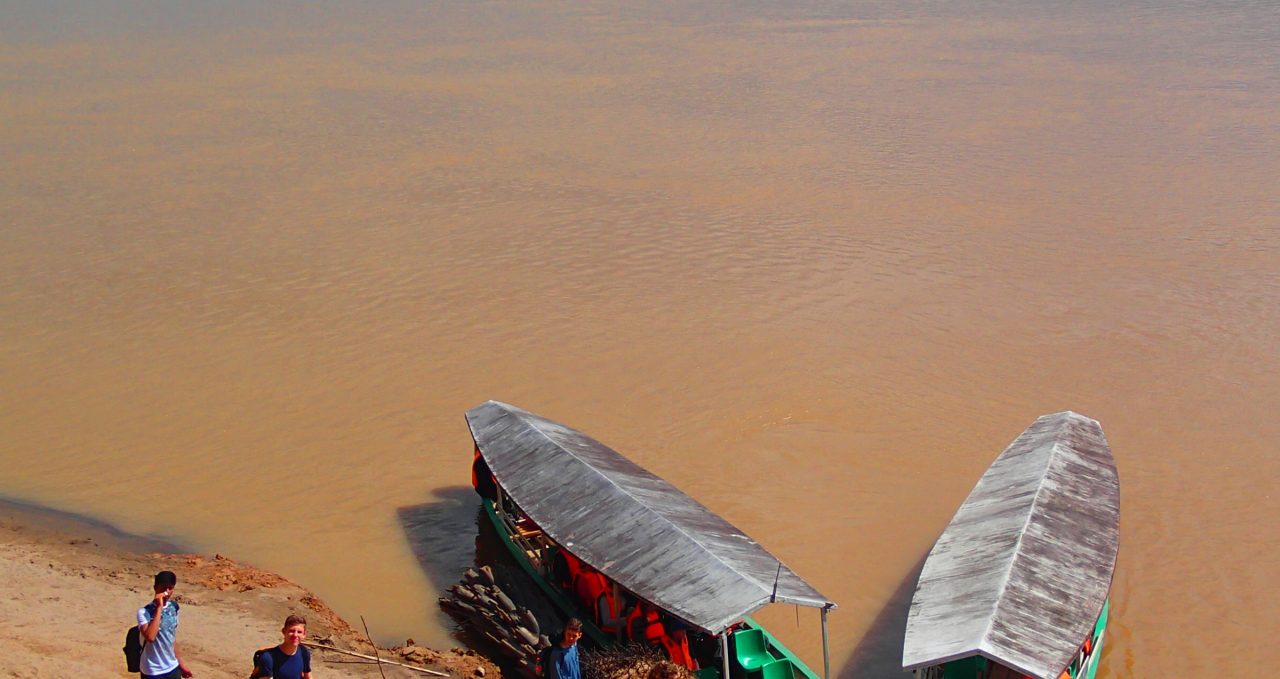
[158, 625]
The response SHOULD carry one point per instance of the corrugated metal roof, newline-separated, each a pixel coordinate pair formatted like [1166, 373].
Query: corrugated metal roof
[1023, 570]
[636, 528]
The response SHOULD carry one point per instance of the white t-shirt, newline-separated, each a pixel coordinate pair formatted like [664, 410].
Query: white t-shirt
[158, 656]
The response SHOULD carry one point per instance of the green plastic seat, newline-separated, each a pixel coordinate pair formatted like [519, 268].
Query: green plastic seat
[751, 649]
[778, 669]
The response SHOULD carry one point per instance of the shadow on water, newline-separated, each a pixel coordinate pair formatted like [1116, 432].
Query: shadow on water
[450, 534]
[879, 654]
[442, 533]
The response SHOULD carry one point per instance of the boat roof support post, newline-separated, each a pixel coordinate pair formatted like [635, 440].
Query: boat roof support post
[826, 650]
[724, 651]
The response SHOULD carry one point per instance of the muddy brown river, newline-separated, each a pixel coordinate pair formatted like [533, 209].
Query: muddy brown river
[815, 263]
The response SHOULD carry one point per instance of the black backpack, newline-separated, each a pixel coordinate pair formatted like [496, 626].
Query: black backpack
[255, 673]
[133, 649]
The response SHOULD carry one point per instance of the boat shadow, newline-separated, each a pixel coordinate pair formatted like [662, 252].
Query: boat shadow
[450, 534]
[879, 653]
[441, 533]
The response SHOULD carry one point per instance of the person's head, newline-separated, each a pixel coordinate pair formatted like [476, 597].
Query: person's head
[165, 580]
[294, 630]
[572, 632]
[665, 669]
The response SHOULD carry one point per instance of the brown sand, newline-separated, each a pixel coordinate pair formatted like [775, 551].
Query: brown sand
[70, 593]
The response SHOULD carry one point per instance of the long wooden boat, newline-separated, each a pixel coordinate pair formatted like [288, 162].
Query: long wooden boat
[549, 488]
[1018, 583]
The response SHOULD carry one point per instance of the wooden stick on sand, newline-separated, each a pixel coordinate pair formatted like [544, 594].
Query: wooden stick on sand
[375, 646]
[369, 657]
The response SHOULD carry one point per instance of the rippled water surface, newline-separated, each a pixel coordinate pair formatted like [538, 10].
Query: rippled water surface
[816, 264]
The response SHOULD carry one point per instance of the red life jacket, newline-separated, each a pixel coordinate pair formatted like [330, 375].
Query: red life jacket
[475, 481]
[568, 574]
[678, 651]
[589, 587]
[644, 626]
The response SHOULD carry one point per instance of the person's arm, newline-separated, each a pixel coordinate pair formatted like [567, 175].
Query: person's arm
[306, 661]
[552, 670]
[150, 628]
[182, 667]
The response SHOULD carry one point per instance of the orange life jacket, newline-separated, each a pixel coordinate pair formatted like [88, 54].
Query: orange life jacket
[589, 586]
[678, 651]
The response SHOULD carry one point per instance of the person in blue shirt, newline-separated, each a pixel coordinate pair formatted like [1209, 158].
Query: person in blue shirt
[289, 660]
[562, 660]
[158, 626]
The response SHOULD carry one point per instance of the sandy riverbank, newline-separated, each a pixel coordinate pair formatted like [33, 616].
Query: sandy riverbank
[71, 588]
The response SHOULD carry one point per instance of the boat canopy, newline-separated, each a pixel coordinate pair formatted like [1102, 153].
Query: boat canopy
[1021, 574]
[635, 528]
